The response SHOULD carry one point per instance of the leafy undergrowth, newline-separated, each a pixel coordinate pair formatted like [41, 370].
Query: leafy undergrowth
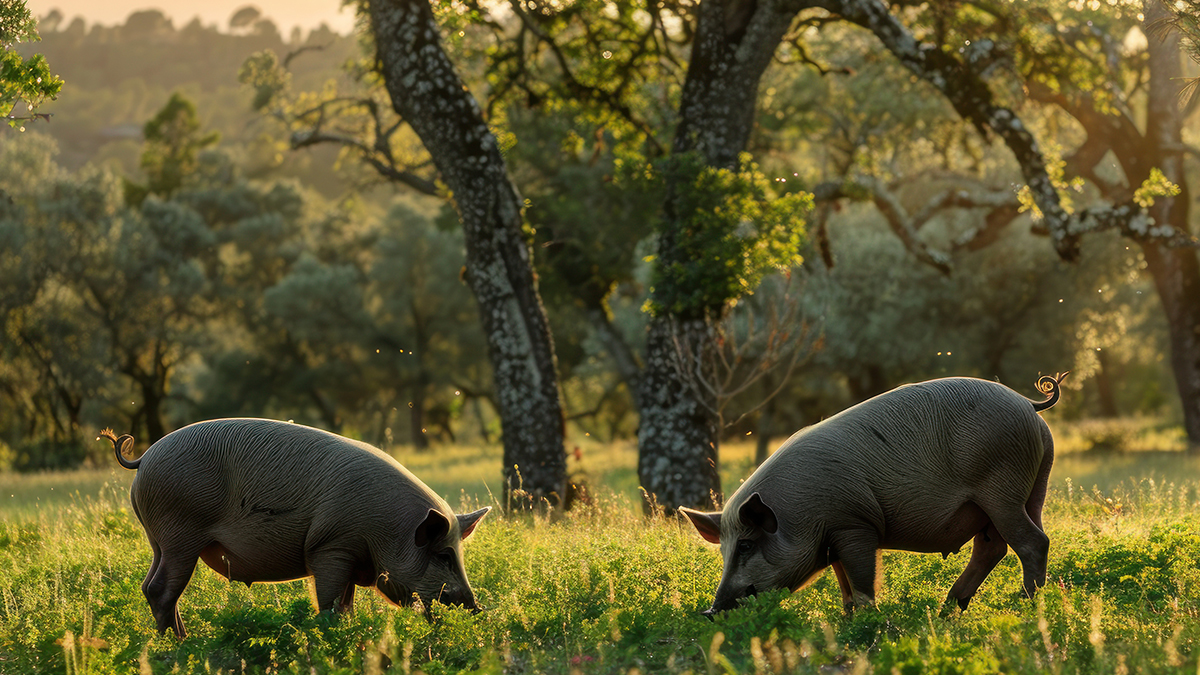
[601, 590]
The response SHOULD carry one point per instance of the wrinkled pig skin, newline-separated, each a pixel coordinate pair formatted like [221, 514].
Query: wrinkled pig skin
[925, 467]
[260, 500]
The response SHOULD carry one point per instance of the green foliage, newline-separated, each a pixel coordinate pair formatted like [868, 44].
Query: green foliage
[173, 143]
[264, 74]
[1055, 168]
[1156, 185]
[908, 656]
[28, 82]
[122, 75]
[728, 230]
[1012, 311]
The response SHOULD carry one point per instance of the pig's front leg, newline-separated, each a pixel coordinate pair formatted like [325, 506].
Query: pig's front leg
[844, 586]
[857, 553]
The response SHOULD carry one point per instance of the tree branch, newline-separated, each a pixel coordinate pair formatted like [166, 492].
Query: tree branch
[905, 226]
[963, 86]
[612, 100]
[310, 137]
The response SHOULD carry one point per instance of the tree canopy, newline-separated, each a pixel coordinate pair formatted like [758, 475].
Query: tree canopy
[27, 82]
[271, 237]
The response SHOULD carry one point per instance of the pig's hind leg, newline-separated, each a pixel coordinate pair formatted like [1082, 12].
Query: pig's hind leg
[1031, 545]
[1016, 510]
[1037, 496]
[170, 574]
[988, 549]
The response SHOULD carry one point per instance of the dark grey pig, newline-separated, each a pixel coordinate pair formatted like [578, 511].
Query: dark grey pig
[924, 467]
[259, 500]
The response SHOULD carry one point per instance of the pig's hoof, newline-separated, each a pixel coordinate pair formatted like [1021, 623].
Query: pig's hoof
[950, 604]
[710, 614]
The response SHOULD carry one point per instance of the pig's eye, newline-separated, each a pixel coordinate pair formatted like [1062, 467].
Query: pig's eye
[745, 546]
[446, 556]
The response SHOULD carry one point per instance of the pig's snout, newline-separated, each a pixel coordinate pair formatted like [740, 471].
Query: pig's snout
[721, 604]
[464, 599]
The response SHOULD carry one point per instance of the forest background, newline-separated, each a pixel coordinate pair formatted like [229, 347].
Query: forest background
[219, 220]
[173, 246]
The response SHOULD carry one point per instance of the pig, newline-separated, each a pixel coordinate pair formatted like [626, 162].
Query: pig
[924, 467]
[261, 500]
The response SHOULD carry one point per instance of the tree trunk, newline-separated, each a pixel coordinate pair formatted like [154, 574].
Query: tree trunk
[416, 416]
[426, 91]
[1104, 386]
[152, 400]
[627, 365]
[416, 406]
[1176, 271]
[326, 408]
[677, 436]
[678, 430]
[1177, 279]
[867, 383]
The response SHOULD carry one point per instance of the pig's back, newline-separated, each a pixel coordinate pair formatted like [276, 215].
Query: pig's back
[230, 469]
[915, 454]
[948, 424]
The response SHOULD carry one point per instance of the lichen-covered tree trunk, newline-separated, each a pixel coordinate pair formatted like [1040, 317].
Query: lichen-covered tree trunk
[1176, 271]
[1177, 279]
[427, 92]
[678, 462]
[678, 441]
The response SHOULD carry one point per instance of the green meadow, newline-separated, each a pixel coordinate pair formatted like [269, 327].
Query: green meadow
[602, 589]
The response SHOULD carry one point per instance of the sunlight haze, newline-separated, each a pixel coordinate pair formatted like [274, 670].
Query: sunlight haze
[307, 14]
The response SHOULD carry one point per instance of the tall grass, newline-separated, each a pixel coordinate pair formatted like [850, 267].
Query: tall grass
[603, 590]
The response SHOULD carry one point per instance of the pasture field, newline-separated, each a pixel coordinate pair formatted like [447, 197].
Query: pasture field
[603, 590]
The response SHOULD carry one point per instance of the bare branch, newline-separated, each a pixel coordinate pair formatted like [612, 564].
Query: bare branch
[310, 137]
[287, 60]
[905, 226]
[1133, 221]
[747, 345]
[994, 223]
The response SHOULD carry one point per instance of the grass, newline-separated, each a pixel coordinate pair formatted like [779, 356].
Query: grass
[603, 590]
[1119, 434]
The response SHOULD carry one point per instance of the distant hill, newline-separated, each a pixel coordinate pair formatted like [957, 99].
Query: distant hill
[117, 77]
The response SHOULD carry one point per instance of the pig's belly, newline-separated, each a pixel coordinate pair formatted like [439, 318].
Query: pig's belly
[942, 531]
[253, 565]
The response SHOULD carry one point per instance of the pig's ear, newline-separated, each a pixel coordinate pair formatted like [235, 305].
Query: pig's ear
[707, 524]
[754, 513]
[433, 528]
[468, 521]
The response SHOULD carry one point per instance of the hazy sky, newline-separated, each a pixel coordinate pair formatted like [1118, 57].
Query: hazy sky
[285, 13]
